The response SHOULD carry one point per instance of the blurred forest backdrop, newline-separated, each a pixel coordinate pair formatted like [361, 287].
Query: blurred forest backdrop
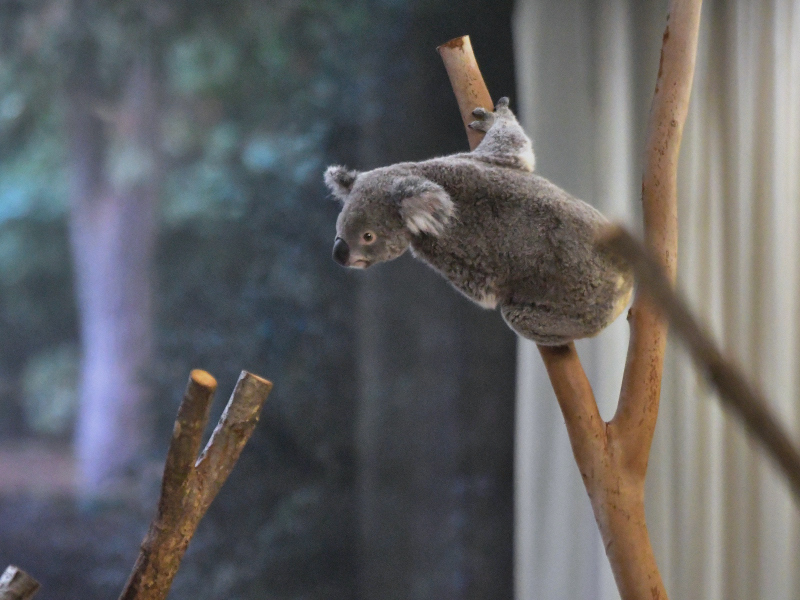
[162, 208]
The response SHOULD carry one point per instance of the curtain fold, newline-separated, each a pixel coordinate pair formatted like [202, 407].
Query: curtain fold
[722, 522]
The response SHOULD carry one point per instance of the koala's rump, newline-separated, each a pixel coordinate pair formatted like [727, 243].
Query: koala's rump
[573, 280]
[524, 240]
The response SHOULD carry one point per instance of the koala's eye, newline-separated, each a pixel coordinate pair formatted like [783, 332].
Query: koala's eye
[368, 237]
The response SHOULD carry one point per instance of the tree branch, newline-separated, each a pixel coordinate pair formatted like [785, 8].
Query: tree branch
[184, 446]
[467, 82]
[641, 383]
[585, 427]
[235, 427]
[736, 392]
[612, 458]
[16, 584]
[563, 365]
[189, 487]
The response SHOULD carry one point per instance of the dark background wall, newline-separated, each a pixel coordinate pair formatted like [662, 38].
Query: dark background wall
[435, 419]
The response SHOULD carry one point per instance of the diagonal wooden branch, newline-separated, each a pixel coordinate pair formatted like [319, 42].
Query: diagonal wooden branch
[736, 392]
[16, 584]
[575, 397]
[190, 484]
[563, 365]
[467, 81]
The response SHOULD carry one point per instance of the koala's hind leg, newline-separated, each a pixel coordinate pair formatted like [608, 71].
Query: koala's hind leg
[505, 143]
[542, 323]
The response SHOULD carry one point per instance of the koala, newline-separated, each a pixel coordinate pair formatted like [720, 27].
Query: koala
[503, 236]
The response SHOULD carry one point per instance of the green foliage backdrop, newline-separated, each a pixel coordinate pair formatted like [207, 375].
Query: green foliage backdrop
[255, 99]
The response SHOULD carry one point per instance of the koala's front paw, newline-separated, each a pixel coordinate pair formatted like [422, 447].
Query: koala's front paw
[502, 110]
[485, 120]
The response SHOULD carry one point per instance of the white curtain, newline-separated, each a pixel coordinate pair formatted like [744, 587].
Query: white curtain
[722, 522]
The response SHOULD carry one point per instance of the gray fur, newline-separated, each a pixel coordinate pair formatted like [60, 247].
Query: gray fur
[500, 234]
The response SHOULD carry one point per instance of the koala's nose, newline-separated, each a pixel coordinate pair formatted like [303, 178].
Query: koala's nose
[341, 251]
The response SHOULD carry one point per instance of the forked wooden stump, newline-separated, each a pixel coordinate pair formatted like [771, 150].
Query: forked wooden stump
[190, 483]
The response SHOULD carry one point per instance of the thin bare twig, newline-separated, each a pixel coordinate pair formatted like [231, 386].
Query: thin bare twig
[190, 484]
[736, 392]
[16, 584]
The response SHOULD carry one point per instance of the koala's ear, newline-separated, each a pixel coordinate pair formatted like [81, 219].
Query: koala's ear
[424, 205]
[340, 181]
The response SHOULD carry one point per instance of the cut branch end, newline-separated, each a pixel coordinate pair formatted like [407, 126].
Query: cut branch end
[16, 584]
[203, 378]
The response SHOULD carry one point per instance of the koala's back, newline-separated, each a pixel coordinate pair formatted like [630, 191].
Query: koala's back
[510, 222]
[521, 239]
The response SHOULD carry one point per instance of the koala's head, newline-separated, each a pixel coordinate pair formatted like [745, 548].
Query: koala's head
[381, 212]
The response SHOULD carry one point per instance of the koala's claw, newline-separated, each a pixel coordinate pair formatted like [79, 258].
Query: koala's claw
[502, 103]
[480, 125]
[485, 119]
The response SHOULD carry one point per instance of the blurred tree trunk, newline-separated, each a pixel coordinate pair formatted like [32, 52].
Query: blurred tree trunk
[436, 405]
[114, 188]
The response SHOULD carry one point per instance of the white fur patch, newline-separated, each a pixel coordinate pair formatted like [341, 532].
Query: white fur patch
[427, 209]
[488, 301]
[422, 222]
[528, 160]
[623, 301]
